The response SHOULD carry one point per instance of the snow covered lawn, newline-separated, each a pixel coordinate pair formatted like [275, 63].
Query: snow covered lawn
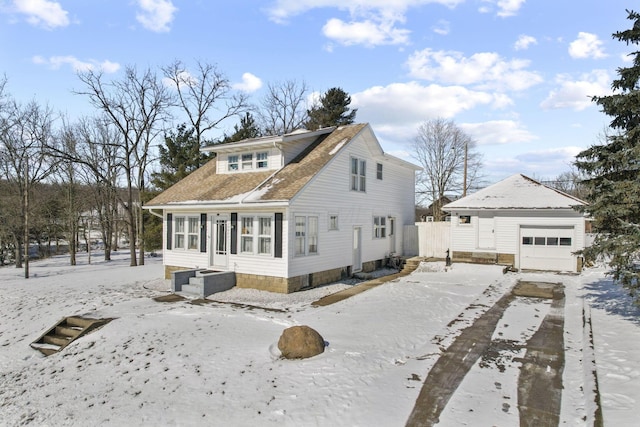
[218, 363]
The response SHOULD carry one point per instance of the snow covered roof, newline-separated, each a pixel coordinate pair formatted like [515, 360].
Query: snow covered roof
[516, 192]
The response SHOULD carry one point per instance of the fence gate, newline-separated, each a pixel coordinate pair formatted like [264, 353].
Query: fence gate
[434, 238]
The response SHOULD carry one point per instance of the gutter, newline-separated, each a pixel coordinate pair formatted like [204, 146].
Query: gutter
[159, 215]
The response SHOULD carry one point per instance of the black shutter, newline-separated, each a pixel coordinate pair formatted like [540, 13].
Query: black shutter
[234, 233]
[277, 245]
[203, 232]
[169, 230]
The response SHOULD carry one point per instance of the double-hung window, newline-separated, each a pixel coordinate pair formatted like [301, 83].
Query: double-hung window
[246, 235]
[264, 235]
[193, 232]
[247, 161]
[306, 235]
[379, 171]
[379, 227]
[186, 233]
[333, 222]
[358, 174]
[232, 163]
[262, 160]
[179, 233]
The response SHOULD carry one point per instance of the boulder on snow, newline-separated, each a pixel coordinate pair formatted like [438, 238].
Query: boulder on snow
[300, 342]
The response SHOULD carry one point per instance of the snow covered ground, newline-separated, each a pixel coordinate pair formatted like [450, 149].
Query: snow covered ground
[218, 363]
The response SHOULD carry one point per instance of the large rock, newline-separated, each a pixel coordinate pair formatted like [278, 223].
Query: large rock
[300, 342]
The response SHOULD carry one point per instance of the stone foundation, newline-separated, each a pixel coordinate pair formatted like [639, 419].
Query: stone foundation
[288, 285]
[483, 258]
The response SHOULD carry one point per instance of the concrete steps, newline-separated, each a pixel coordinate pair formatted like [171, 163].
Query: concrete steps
[63, 333]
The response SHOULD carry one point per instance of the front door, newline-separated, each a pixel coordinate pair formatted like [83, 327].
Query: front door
[357, 249]
[219, 242]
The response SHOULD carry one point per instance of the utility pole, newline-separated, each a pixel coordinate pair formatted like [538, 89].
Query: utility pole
[464, 177]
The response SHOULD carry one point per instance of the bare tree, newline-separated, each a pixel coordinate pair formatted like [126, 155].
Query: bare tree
[284, 107]
[205, 95]
[26, 134]
[449, 161]
[135, 106]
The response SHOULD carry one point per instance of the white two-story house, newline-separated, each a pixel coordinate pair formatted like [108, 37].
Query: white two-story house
[291, 211]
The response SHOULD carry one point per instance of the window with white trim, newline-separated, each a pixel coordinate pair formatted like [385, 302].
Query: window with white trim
[246, 235]
[193, 233]
[312, 235]
[247, 161]
[306, 235]
[232, 163]
[262, 160]
[186, 234]
[333, 222]
[379, 171]
[379, 227]
[264, 235]
[179, 238]
[358, 174]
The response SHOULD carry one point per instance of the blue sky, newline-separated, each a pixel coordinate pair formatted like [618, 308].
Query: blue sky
[516, 75]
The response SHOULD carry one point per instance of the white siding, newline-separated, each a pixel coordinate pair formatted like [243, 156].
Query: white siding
[182, 257]
[507, 228]
[329, 193]
[251, 264]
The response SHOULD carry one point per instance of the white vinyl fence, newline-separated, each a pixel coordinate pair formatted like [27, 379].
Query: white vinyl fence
[434, 238]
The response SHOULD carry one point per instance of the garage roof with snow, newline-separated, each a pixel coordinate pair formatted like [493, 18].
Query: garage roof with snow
[516, 192]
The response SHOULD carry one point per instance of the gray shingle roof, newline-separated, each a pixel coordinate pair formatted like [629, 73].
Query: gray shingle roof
[205, 185]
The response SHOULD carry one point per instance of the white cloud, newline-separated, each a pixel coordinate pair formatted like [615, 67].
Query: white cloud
[497, 132]
[587, 45]
[43, 13]
[408, 104]
[370, 23]
[506, 8]
[577, 94]
[282, 10]
[484, 69]
[56, 62]
[250, 83]
[156, 15]
[368, 32]
[442, 27]
[524, 42]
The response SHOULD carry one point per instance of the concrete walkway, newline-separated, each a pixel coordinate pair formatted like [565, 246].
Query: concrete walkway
[409, 267]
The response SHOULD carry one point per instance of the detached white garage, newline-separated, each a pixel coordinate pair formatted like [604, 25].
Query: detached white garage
[518, 222]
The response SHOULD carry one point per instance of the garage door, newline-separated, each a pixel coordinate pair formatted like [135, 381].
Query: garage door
[547, 248]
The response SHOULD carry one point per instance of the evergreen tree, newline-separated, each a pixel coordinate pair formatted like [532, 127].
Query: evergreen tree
[248, 129]
[178, 158]
[331, 110]
[613, 174]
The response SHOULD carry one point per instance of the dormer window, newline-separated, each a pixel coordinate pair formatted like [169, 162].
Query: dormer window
[232, 163]
[262, 160]
[247, 161]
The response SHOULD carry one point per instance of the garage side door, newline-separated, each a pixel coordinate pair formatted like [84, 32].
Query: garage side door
[547, 248]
